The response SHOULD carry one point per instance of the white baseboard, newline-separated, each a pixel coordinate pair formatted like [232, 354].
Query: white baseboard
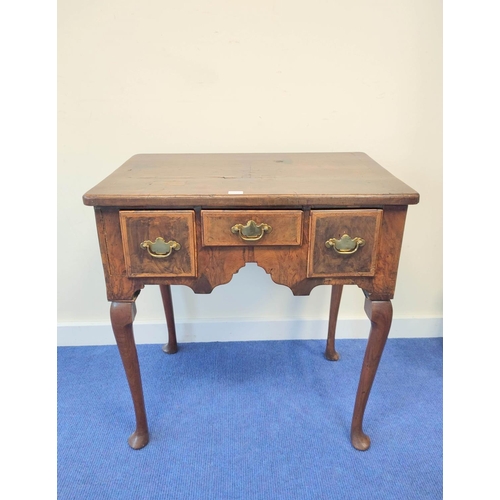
[79, 334]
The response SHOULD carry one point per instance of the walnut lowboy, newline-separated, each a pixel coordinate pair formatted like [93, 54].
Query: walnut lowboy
[318, 219]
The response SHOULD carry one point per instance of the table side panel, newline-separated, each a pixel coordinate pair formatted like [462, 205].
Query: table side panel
[118, 285]
[388, 253]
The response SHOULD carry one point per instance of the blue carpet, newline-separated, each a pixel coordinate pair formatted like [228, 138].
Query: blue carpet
[251, 420]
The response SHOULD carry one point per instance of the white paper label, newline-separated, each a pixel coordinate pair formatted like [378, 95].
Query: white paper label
[235, 192]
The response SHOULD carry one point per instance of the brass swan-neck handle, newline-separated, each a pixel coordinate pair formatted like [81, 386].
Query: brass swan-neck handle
[160, 249]
[345, 245]
[251, 231]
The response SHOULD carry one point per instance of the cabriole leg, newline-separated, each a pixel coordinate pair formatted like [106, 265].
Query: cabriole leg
[380, 315]
[166, 296]
[122, 318]
[330, 352]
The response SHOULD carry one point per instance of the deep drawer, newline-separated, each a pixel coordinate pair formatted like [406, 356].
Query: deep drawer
[343, 242]
[158, 242]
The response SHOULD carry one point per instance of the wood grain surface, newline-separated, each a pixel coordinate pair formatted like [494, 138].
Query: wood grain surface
[250, 180]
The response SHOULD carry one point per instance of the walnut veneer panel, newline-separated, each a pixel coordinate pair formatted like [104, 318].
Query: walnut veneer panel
[141, 225]
[326, 224]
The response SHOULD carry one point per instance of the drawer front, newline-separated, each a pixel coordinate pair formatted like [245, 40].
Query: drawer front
[236, 228]
[343, 242]
[158, 242]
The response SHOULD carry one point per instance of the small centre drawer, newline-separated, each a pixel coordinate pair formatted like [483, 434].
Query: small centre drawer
[158, 242]
[235, 228]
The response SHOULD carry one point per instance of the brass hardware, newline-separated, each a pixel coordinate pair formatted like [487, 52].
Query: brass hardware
[346, 245]
[160, 248]
[251, 231]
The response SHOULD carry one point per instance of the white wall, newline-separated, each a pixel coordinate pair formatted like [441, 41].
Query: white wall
[262, 76]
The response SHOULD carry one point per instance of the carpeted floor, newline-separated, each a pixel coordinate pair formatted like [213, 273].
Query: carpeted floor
[251, 420]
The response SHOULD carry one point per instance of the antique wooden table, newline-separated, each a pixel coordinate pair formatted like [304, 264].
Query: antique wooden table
[308, 219]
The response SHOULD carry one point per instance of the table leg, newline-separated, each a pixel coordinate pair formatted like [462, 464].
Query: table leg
[122, 318]
[380, 315]
[330, 352]
[166, 296]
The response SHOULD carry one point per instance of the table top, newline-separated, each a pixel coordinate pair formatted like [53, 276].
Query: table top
[250, 180]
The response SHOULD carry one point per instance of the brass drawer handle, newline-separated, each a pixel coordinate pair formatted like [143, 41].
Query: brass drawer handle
[160, 248]
[251, 231]
[346, 245]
